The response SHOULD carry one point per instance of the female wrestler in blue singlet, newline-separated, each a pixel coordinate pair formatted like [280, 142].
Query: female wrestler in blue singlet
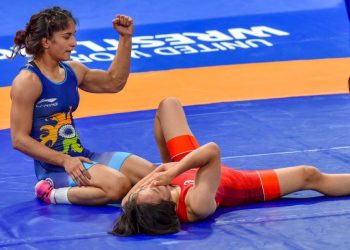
[44, 95]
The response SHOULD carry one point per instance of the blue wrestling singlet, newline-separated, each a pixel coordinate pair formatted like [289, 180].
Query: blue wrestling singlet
[53, 126]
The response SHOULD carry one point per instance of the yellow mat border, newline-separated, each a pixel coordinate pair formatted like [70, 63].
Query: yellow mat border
[211, 85]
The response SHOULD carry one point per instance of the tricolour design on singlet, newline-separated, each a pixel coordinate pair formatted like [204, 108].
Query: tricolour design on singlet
[236, 187]
[53, 124]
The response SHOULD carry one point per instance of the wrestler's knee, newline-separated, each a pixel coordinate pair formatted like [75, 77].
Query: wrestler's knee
[311, 174]
[169, 101]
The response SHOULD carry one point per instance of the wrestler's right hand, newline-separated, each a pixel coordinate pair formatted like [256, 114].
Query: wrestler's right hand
[76, 170]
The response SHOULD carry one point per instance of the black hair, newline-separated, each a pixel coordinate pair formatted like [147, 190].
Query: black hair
[147, 218]
[41, 25]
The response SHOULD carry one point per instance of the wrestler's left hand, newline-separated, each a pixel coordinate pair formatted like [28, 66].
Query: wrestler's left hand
[76, 170]
[165, 166]
[163, 175]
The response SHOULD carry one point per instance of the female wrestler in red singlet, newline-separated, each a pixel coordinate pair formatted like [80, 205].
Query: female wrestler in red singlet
[193, 183]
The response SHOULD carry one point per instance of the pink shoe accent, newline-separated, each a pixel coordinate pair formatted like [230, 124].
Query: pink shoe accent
[43, 190]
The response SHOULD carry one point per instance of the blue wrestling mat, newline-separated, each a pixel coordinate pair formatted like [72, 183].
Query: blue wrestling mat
[261, 134]
[252, 134]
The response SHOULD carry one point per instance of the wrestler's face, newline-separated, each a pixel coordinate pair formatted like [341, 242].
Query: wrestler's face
[62, 43]
[153, 194]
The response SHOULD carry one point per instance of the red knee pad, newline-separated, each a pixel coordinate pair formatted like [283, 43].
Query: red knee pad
[270, 184]
[180, 146]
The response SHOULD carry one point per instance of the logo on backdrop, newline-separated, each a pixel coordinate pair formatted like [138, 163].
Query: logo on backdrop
[175, 44]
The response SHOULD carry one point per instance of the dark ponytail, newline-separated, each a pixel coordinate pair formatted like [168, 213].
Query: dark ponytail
[41, 25]
[147, 218]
